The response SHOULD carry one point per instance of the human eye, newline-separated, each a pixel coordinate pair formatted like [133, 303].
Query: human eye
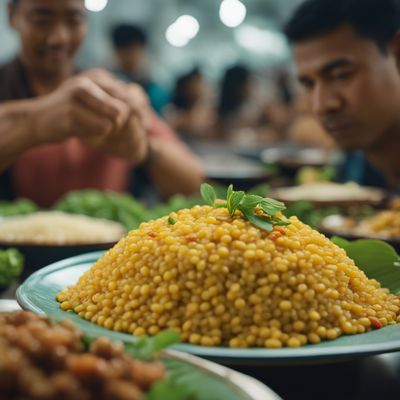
[306, 84]
[342, 74]
[76, 19]
[40, 19]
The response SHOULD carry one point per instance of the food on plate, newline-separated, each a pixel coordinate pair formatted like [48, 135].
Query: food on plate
[329, 192]
[233, 273]
[42, 360]
[385, 224]
[58, 228]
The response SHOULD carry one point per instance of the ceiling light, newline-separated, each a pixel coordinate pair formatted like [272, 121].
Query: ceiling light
[96, 5]
[232, 13]
[187, 26]
[175, 37]
[262, 41]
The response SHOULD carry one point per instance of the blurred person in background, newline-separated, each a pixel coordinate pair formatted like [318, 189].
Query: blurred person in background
[348, 58]
[241, 118]
[130, 45]
[62, 131]
[278, 110]
[192, 111]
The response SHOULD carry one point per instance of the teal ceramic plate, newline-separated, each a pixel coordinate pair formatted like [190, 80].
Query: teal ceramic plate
[38, 294]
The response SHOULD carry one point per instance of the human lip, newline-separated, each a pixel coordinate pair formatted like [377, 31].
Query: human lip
[338, 130]
[57, 55]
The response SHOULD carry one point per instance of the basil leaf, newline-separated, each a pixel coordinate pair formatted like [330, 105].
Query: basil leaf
[282, 221]
[171, 221]
[256, 220]
[271, 206]
[234, 201]
[229, 191]
[208, 193]
[251, 201]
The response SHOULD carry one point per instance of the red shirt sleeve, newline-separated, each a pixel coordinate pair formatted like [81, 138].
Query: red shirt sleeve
[161, 130]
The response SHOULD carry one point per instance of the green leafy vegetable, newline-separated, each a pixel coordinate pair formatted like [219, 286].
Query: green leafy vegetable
[233, 202]
[259, 221]
[306, 212]
[122, 208]
[208, 193]
[11, 266]
[18, 207]
[260, 211]
[171, 221]
[146, 347]
[186, 382]
[183, 381]
[376, 258]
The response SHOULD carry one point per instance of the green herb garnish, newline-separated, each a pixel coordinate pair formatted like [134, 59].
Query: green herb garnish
[146, 347]
[171, 221]
[11, 266]
[262, 212]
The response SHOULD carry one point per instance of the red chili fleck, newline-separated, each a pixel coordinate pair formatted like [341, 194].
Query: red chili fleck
[191, 238]
[375, 322]
[152, 234]
[280, 229]
[275, 235]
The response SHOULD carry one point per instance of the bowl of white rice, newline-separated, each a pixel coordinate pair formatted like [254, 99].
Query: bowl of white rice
[48, 236]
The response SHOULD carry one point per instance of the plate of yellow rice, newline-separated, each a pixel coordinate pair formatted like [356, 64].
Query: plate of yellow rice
[234, 291]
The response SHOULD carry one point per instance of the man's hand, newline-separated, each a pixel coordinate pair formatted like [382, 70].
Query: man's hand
[131, 94]
[132, 138]
[79, 108]
[82, 108]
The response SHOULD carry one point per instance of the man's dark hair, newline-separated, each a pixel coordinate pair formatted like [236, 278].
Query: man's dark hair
[125, 35]
[378, 20]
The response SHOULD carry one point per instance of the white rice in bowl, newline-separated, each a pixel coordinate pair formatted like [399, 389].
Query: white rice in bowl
[58, 228]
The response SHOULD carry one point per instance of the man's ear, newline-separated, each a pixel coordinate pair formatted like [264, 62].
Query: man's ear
[394, 48]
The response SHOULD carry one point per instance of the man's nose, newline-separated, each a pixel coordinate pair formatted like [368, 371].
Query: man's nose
[58, 36]
[324, 100]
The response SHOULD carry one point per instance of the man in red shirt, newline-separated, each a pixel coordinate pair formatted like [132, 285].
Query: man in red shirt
[61, 131]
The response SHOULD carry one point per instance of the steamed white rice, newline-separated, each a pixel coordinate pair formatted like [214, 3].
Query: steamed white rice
[58, 228]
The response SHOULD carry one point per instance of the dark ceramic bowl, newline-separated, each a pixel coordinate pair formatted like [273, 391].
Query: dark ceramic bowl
[40, 255]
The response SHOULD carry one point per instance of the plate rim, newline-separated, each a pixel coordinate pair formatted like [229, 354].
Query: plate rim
[306, 353]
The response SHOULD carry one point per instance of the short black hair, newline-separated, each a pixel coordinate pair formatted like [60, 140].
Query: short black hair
[233, 82]
[125, 35]
[378, 20]
[180, 96]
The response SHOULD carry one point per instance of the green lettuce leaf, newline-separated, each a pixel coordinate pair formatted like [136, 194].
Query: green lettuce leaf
[378, 259]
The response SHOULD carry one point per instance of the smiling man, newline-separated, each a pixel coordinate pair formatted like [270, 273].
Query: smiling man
[62, 131]
[347, 54]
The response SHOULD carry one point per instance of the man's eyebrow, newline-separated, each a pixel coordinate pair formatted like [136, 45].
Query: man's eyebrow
[338, 63]
[41, 11]
[45, 11]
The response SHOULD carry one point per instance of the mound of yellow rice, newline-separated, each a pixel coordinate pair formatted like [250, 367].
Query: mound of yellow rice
[220, 280]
